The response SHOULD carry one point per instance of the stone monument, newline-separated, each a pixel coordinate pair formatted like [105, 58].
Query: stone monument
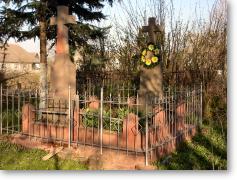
[151, 79]
[63, 71]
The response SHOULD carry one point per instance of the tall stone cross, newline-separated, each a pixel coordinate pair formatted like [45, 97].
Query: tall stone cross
[152, 29]
[151, 80]
[63, 71]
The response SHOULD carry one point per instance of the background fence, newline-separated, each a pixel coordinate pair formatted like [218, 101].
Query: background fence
[106, 118]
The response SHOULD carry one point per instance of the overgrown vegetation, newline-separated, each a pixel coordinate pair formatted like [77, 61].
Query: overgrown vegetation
[16, 157]
[112, 119]
[206, 151]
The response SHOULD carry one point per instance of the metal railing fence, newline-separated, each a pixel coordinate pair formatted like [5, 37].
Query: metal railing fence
[115, 119]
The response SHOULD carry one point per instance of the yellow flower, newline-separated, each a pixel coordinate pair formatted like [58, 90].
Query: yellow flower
[151, 47]
[143, 59]
[144, 52]
[156, 51]
[148, 62]
[154, 59]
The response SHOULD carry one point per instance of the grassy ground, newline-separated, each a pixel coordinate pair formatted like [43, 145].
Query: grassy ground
[15, 157]
[206, 151]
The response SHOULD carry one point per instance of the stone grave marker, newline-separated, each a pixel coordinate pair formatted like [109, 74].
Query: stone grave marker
[151, 79]
[63, 71]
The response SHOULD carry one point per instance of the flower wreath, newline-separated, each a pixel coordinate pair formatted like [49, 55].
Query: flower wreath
[150, 56]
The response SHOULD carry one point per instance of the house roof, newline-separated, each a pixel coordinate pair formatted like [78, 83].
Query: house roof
[16, 54]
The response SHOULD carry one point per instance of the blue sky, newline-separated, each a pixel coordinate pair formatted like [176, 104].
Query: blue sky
[184, 8]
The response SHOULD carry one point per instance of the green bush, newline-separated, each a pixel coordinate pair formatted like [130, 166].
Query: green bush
[112, 120]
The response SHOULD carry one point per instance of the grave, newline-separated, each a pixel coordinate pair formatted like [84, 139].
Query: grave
[151, 79]
[62, 74]
[63, 71]
[131, 137]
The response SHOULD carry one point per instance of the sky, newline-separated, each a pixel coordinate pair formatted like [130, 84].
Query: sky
[184, 8]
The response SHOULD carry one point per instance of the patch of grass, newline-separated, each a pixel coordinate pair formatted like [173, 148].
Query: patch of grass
[16, 157]
[206, 151]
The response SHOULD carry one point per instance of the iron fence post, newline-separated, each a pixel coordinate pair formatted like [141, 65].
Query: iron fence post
[69, 116]
[101, 120]
[146, 153]
[7, 107]
[200, 124]
[1, 111]
[13, 113]
[18, 114]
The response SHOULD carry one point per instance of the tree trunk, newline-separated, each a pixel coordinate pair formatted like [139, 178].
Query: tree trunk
[43, 60]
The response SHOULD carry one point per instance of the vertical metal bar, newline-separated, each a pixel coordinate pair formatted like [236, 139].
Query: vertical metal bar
[53, 103]
[186, 116]
[93, 129]
[188, 110]
[7, 108]
[197, 103]
[160, 100]
[101, 120]
[154, 119]
[169, 104]
[36, 107]
[172, 115]
[178, 103]
[166, 110]
[18, 106]
[193, 109]
[194, 104]
[1, 110]
[13, 113]
[146, 153]
[127, 120]
[29, 97]
[200, 123]
[123, 93]
[62, 124]
[152, 131]
[85, 125]
[47, 119]
[29, 122]
[69, 116]
[110, 114]
[24, 100]
[78, 120]
[119, 101]
[55, 120]
[137, 104]
[175, 113]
